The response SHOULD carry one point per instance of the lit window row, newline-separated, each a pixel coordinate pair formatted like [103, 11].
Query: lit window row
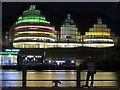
[99, 30]
[68, 25]
[36, 35]
[98, 45]
[104, 40]
[45, 45]
[32, 17]
[62, 45]
[45, 27]
[34, 32]
[100, 26]
[33, 28]
[32, 20]
[98, 33]
[33, 38]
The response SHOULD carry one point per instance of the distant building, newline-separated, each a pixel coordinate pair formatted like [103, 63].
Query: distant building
[99, 36]
[69, 31]
[31, 34]
[32, 30]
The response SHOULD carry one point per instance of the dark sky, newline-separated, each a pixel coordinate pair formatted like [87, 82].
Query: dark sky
[84, 14]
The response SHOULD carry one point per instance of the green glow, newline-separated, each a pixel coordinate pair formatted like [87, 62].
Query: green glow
[8, 53]
[32, 7]
[31, 11]
[32, 17]
[32, 20]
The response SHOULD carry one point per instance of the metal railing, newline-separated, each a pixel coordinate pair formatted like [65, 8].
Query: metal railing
[78, 79]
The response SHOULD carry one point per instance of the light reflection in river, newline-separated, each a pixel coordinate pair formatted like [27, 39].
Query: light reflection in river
[50, 75]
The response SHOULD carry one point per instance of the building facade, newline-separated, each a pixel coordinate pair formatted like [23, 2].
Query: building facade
[69, 31]
[99, 36]
[33, 31]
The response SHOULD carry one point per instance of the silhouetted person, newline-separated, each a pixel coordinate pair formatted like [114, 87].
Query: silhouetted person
[91, 71]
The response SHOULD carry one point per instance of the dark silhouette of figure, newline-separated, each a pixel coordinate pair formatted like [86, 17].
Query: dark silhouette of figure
[91, 71]
[56, 82]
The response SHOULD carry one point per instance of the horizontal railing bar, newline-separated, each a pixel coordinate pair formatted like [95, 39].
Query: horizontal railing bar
[57, 71]
[10, 80]
[58, 80]
[53, 71]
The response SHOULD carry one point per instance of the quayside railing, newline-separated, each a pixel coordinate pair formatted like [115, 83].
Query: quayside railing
[77, 81]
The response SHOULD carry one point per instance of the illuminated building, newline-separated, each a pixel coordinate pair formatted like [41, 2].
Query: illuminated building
[32, 30]
[9, 57]
[99, 36]
[69, 31]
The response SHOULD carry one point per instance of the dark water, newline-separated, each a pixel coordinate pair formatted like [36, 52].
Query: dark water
[49, 75]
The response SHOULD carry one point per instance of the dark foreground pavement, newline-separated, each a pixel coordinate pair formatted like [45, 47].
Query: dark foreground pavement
[60, 88]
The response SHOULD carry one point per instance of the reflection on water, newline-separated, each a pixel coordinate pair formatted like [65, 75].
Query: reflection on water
[71, 75]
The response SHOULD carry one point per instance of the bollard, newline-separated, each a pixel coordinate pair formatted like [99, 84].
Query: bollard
[78, 77]
[24, 76]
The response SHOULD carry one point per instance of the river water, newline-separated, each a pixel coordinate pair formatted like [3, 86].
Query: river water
[56, 75]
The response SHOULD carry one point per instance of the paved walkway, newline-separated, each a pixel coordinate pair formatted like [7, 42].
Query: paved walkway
[61, 88]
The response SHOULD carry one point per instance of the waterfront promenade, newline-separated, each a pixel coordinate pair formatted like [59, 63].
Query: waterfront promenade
[42, 80]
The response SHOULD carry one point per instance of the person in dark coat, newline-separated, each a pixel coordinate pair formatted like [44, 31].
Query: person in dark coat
[91, 70]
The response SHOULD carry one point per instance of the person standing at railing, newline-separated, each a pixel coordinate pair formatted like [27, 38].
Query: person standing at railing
[91, 71]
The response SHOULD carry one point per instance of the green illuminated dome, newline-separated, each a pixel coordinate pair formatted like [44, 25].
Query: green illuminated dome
[32, 16]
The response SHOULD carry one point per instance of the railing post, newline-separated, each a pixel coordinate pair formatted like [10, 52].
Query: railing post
[24, 75]
[78, 77]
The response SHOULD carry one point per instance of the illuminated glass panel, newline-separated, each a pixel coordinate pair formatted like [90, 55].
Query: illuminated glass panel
[46, 27]
[99, 45]
[8, 59]
[98, 33]
[32, 20]
[45, 45]
[108, 40]
[33, 17]
[33, 38]
[34, 32]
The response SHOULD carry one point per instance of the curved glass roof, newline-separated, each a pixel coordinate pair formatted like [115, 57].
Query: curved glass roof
[32, 15]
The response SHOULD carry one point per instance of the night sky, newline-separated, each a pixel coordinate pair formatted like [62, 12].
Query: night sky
[84, 14]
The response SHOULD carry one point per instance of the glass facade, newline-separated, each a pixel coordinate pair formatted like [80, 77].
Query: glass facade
[32, 30]
[69, 31]
[8, 59]
[99, 36]
[32, 27]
